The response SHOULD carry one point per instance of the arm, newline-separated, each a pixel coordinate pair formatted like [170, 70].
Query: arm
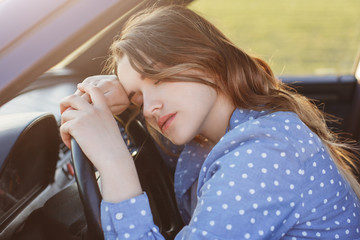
[94, 128]
[90, 121]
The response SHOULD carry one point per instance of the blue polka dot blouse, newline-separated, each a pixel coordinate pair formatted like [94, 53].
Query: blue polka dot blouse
[269, 177]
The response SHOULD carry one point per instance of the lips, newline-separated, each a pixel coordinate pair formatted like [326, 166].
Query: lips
[165, 121]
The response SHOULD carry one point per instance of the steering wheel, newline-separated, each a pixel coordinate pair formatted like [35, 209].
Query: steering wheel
[88, 190]
[154, 177]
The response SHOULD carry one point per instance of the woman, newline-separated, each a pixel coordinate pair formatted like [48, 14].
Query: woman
[263, 164]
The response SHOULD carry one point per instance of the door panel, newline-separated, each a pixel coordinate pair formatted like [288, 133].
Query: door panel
[335, 95]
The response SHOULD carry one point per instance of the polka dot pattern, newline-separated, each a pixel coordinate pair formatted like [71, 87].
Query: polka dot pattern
[269, 174]
[185, 181]
[121, 220]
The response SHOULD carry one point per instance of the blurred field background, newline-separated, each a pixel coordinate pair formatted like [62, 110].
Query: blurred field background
[320, 37]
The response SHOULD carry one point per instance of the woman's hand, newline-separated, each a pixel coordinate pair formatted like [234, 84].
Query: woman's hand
[115, 95]
[91, 122]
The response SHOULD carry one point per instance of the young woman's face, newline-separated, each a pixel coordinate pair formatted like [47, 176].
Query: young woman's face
[178, 110]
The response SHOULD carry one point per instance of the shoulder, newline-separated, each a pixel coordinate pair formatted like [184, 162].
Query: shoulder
[278, 131]
[275, 144]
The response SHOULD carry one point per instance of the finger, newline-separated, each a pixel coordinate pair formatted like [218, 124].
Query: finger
[108, 85]
[95, 94]
[73, 101]
[65, 105]
[65, 134]
[69, 115]
[67, 109]
[105, 86]
[93, 79]
[98, 79]
[118, 109]
[83, 95]
[115, 93]
[87, 97]
[78, 92]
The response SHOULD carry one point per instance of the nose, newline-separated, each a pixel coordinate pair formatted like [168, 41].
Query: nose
[151, 105]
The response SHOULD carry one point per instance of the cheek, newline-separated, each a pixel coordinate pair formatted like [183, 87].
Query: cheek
[151, 123]
[193, 103]
[196, 93]
[204, 100]
[179, 134]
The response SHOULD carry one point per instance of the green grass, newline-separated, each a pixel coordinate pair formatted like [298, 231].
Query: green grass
[293, 36]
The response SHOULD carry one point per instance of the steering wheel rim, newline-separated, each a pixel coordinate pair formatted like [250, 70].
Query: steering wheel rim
[88, 190]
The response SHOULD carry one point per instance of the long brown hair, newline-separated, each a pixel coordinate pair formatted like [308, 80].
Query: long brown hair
[177, 39]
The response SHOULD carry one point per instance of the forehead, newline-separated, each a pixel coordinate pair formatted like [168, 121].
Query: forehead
[124, 63]
[128, 77]
[124, 70]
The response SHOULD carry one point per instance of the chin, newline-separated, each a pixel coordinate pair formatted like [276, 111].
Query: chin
[179, 143]
[180, 139]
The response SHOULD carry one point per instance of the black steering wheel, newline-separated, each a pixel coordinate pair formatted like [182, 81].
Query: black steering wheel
[154, 176]
[88, 190]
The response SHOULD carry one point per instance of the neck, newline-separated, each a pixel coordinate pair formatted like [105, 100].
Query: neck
[218, 119]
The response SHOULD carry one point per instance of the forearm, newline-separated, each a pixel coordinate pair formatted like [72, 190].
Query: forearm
[119, 179]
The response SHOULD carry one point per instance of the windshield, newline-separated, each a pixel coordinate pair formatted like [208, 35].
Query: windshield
[298, 37]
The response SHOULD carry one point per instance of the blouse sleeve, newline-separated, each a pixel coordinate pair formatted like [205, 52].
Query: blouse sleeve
[129, 219]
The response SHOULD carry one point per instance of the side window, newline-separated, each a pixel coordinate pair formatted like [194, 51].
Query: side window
[297, 37]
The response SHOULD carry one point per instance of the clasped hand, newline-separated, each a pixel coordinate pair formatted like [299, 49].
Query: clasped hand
[87, 115]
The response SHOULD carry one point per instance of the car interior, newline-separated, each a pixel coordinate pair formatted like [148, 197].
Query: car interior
[50, 192]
